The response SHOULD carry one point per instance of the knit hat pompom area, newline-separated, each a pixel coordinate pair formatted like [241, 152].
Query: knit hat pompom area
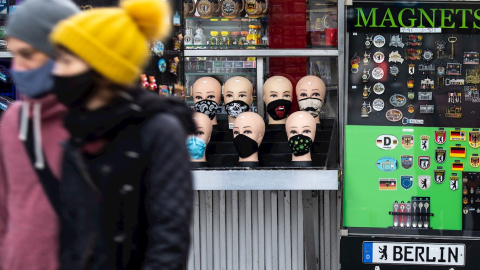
[114, 41]
[152, 17]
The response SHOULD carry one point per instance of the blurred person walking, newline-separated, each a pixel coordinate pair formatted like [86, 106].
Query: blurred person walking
[126, 186]
[30, 136]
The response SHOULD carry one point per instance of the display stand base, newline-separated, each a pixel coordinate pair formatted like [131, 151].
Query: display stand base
[249, 164]
[301, 163]
[198, 164]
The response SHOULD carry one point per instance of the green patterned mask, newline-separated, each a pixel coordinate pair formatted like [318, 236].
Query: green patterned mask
[300, 144]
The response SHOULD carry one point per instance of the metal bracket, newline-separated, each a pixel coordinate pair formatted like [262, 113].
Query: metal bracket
[344, 232]
[348, 2]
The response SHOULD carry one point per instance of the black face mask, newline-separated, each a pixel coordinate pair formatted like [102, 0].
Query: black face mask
[300, 144]
[279, 109]
[245, 145]
[74, 91]
[236, 107]
[207, 107]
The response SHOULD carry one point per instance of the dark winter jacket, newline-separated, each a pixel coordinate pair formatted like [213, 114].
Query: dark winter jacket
[126, 186]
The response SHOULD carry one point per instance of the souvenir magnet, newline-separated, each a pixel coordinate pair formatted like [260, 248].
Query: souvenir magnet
[440, 155]
[427, 109]
[452, 40]
[426, 69]
[394, 70]
[474, 138]
[406, 181]
[449, 82]
[454, 111]
[454, 97]
[457, 135]
[424, 181]
[366, 58]
[158, 48]
[387, 183]
[378, 104]
[457, 166]
[366, 92]
[475, 160]
[440, 47]
[407, 141]
[427, 84]
[424, 142]
[379, 88]
[365, 75]
[396, 41]
[458, 151]
[406, 121]
[439, 176]
[424, 162]
[440, 136]
[411, 69]
[411, 108]
[394, 115]
[395, 57]
[378, 57]
[365, 110]
[387, 142]
[379, 41]
[471, 58]
[454, 69]
[387, 164]
[454, 181]
[406, 161]
[427, 55]
[368, 42]
[162, 65]
[354, 63]
[424, 95]
[410, 83]
[472, 76]
[377, 73]
[398, 100]
[414, 40]
[411, 94]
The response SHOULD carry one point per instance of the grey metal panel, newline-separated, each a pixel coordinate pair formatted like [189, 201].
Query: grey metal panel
[262, 53]
[266, 180]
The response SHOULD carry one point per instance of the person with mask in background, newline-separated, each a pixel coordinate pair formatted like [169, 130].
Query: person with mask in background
[126, 185]
[29, 225]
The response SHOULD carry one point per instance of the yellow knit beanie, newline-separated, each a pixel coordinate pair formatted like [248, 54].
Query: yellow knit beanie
[114, 41]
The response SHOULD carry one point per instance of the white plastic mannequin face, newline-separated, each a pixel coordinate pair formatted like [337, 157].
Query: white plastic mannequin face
[301, 123]
[251, 125]
[311, 87]
[207, 88]
[237, 88]
[203, 130]
[277, 87]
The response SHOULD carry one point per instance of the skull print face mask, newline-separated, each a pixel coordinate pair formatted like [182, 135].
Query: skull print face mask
[207, 107]
[236, 107]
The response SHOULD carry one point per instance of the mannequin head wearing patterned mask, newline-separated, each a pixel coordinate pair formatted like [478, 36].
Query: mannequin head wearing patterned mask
[311, 92]
[300, 128]
[277, 95]
[207, 94]
[238, 96]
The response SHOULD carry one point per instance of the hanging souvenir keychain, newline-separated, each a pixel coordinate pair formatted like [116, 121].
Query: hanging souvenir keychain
[162, 65]
[354, 63]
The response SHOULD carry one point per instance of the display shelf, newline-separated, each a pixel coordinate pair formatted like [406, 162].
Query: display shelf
[262, 53]
[221, 74]
[224, 47]
[277, 179]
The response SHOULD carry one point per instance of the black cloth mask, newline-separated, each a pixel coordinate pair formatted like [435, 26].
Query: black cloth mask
[236, 107]
[74, 91]
[245, 145]
[300, 144]
[279, 109]
[207, 107]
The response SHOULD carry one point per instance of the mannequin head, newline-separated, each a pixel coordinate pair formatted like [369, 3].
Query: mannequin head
[203, 131]
[207, 94]
[248, 131]
[277, 95]
[311, 95]
[238, 96]
[300, 124]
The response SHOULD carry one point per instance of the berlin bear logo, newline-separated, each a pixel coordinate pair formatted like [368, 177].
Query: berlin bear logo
[384, 252]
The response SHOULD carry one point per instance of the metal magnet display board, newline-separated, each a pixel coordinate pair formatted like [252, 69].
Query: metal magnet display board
[413, 109]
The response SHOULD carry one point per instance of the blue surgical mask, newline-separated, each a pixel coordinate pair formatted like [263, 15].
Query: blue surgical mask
[196, 147]
[34, 83]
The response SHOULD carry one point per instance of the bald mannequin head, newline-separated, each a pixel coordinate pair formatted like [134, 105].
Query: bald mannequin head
[278, 89]
[197, 143]
[205, 89]
[311, 92]
[251, 125]
[300, 123]
[238, 96]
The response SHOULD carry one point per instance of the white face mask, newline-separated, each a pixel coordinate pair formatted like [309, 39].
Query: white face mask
[311, 105]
